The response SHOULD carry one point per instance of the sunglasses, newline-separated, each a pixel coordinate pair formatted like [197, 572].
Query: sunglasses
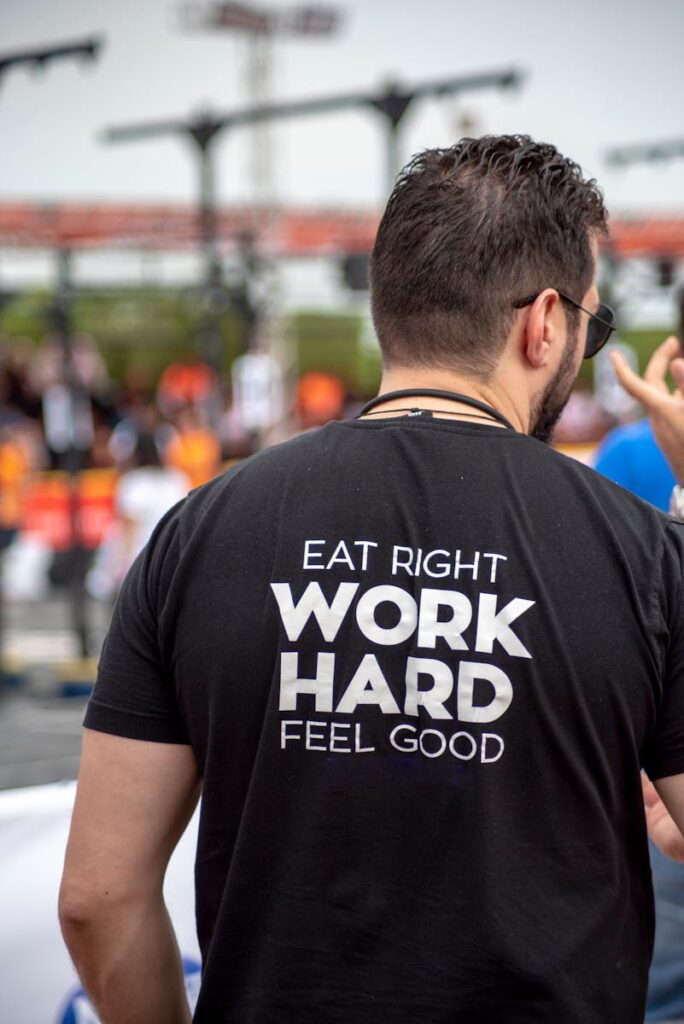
[601, 323]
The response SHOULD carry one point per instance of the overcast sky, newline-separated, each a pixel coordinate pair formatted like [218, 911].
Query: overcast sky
[599, 72]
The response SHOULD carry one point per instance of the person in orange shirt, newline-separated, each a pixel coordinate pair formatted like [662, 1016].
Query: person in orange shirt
[320, 398]
[187, 383]
[14, 467]
[194, 450]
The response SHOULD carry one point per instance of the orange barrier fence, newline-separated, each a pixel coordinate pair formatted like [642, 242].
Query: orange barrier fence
[51, 506]
[54, 508]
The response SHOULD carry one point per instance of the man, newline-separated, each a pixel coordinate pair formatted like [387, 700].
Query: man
[417, 660]
[630, 456]
[665, 409]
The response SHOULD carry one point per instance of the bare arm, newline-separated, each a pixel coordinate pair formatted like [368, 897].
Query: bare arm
[664, 801]
[664, 806]
[133, 802]
[665, 409]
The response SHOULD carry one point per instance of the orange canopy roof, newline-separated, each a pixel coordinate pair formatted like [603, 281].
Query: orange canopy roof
[295, 232]
[167, 227]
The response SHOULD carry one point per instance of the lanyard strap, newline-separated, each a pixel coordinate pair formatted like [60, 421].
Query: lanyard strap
[453, 396]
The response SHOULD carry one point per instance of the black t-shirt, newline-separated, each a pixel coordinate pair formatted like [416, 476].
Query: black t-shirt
[420, 664]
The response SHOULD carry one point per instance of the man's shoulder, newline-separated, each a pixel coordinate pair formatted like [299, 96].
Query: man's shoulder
[609, 494]
[260, 472]
[278, 457]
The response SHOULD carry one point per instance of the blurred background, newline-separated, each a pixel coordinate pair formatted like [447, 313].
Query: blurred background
[188, 195]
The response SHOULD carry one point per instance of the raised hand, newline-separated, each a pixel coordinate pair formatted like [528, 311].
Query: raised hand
[662, 830]
[665, 409]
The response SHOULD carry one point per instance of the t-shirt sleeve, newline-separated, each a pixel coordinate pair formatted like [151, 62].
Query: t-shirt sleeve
[665, 755]
[134, 695]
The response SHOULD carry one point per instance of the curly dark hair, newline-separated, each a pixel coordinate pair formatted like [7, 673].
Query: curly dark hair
[466, 232]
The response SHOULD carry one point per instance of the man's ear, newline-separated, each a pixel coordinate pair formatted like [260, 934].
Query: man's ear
[540, 329]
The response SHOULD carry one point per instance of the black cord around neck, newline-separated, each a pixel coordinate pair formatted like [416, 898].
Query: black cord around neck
[452, 396]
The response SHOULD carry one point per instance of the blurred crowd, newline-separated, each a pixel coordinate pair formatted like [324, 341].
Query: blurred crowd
[100, 428]
[146, 442]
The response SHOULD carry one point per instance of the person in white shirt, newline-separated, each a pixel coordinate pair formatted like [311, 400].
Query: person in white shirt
[144, 494]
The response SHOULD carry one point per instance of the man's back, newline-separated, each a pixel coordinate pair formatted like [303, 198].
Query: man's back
[420, 663]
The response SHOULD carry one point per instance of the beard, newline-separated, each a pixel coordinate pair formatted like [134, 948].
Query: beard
[550, 405]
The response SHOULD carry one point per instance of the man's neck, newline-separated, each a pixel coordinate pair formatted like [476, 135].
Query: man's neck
[489, 392]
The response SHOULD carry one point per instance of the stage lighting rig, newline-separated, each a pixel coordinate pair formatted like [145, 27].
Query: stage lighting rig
[40, 56]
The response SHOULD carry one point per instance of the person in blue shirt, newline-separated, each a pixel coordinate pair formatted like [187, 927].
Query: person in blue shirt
[630, 456]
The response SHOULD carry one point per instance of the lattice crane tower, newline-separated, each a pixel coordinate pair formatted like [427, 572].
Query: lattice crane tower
[259, 27]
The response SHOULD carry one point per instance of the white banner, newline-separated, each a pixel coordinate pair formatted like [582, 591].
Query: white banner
[258, 390]
[38, 984]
